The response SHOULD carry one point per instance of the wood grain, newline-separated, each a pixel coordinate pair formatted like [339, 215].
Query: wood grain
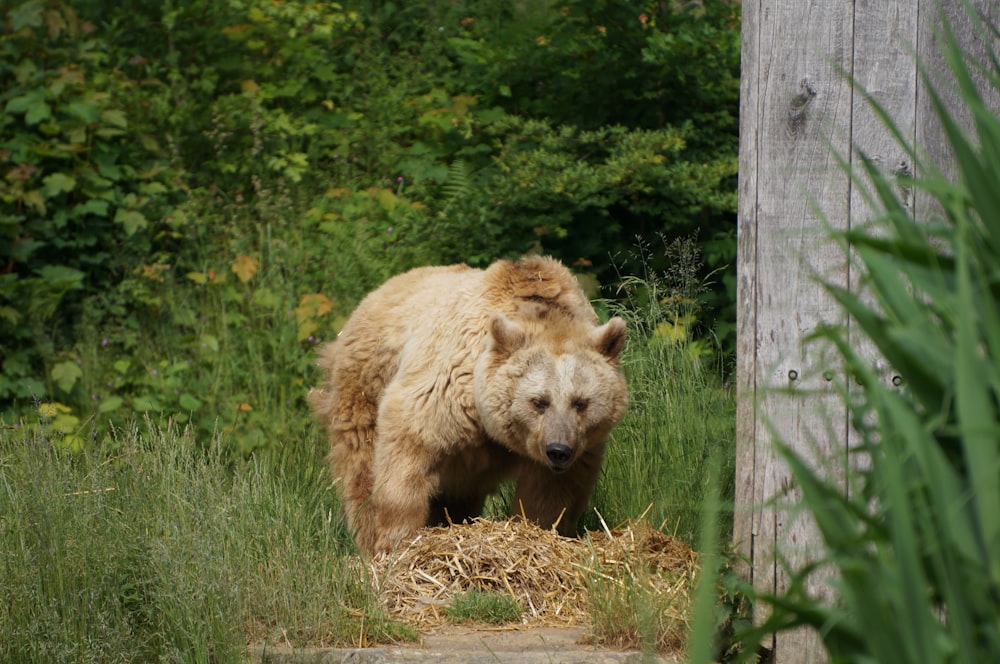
[798, 111]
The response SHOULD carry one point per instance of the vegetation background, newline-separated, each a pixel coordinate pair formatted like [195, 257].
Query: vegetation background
[196, 193]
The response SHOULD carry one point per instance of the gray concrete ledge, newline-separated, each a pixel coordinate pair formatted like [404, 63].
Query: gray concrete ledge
[546, 645]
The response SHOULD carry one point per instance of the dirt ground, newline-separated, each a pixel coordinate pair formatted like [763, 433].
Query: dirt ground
[556, 645]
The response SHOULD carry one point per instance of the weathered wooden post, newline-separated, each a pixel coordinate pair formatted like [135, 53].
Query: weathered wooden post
[798, 110]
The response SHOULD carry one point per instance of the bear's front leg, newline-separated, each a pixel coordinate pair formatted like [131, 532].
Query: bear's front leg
[404, 484]
[548, 498]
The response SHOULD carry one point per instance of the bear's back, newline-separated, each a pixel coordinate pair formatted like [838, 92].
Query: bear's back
[436, 319]
[539, 293]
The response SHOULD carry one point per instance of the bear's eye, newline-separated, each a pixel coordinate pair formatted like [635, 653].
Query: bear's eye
[580, 405]
[540, 404]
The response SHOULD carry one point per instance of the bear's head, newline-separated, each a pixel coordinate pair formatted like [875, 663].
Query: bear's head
[551, 393]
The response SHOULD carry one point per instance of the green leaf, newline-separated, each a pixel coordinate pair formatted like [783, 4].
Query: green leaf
[27, 15]
[85, 111]
[209, 344]
[110, 404]
[65, 374]
[265, 298]
[115, 118]
[24, 70]
[92, 206]
[152, 188]
[32, 105]
[144, 404]
[62, 277]
[20, 104]
[10, 314]
[176, 368]
[974, 400]
[57, 183]
[37, 112]
[131, 220]
[189, 402]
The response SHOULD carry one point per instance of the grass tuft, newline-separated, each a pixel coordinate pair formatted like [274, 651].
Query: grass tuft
[478, 606]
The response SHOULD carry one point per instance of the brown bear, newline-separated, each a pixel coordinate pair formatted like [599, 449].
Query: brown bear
[446, 381]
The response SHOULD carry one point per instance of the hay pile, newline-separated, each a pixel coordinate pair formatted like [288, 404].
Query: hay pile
[553, 577]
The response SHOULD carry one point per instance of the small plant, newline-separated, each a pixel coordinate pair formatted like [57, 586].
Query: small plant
[628, 612]
[480, 606]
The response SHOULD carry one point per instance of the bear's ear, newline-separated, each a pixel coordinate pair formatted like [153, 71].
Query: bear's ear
[507, 336]
[609, 339]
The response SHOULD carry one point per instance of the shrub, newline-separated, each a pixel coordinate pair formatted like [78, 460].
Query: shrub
[86, 193]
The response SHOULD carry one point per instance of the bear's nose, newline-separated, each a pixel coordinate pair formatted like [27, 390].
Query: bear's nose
[559, 455]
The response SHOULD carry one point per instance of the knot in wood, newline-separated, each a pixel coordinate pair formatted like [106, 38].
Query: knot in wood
[798, 107]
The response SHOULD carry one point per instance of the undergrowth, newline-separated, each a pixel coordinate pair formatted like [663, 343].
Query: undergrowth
[153, 546]
[150, 541]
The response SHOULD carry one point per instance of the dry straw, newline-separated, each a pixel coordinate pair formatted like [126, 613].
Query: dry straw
[551, 576]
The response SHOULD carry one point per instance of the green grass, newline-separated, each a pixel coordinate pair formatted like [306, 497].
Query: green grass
[151, 546]
[154, 541]
[149, 543]
[477, 606]
[681, 414]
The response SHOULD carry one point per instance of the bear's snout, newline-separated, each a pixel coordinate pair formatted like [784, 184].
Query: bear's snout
[559, 455]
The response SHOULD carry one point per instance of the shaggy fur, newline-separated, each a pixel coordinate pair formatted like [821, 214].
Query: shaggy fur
[448, 380]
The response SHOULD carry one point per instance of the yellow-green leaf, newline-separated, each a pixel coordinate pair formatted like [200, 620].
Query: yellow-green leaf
[65, 374]
[57, 183]
[37, 111]
[115, 118]
[313, 305]
[265, 298]
[110, 404]
[132, 220]
[189, 402]
[10, 314]
[34, 199]
[244, 267]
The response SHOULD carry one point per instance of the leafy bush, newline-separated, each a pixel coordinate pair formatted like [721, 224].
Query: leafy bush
[607, 77]
[917, 541]
[330, 146]
[86, 193]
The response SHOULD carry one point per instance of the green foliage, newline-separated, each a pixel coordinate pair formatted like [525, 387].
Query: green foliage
[148, 148]
[917, 540]
[626, 71]
[479, 606]
[153, 546]
[140, 521]
[575, 194]
[681, 414]
[85, 191]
